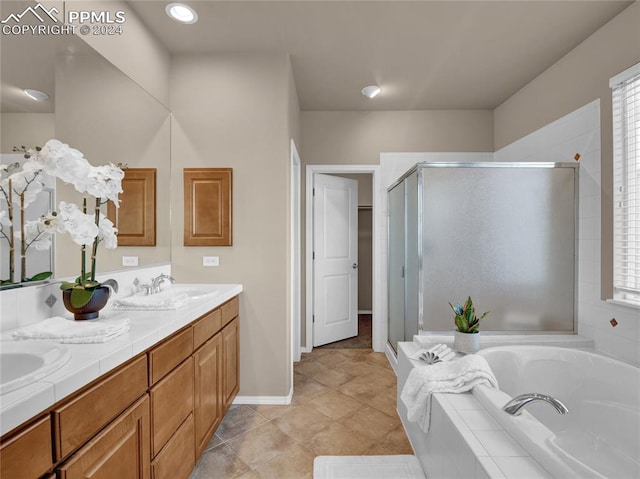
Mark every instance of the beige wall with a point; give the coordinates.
(358, 138)
(233, 111)
(577, 79)
(136, 52)
(28, 129)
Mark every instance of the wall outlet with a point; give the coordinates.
(210, 261)
(129, 261)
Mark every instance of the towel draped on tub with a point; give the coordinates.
(456, 376)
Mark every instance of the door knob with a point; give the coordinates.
(354, 265)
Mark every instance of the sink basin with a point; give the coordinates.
(25, 362)
(174, 297)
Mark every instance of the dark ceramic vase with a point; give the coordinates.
(92, 308)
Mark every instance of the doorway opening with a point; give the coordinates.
(367, 308)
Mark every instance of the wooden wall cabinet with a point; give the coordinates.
(136, 217)
(149, 419)
(208, 206)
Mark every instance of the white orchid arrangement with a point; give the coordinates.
(86, 228)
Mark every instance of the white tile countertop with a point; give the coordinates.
(90, 361)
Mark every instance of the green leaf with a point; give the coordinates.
(461, 324)
(80, 297)
(41, 276)
(65, 285)
(90, 284)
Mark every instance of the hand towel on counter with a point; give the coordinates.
(456, 376)
(146, 303)
(434, 354)
(65, 330)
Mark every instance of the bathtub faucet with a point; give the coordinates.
(513, 407)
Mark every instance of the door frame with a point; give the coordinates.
(378, 323)
(295, 259)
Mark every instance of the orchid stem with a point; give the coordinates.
(23, 246)
(83, 249)
(12, 252)
(94, 251)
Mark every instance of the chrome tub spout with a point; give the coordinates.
(514, 406)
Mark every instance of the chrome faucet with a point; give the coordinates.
(156, 282)
(513, 407)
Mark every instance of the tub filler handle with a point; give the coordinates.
(514, 406)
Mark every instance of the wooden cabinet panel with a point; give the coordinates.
(171, 403)
(168, 355)
(28, 454)
(207, 405)
(230, 310)
(121, 450)
(207, 206)
(230, 362)
(76, 421)
(136, 217)
(177, 459)
(205, 327)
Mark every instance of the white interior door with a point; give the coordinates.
(335, 252)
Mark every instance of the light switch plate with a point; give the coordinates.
(129, 261)
(210, 261)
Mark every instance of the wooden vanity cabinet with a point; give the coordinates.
(28, 454)
(121, 450)
(230, 363)
(207, 407)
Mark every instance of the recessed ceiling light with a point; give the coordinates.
(371, 91)
(181, 13)
(36, 94)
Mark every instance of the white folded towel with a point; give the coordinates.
(434, 354)
(456, 376)
(145, 303)
(69, 331)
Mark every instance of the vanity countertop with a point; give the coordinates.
(90, 361)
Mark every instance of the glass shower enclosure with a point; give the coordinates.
(502, 233)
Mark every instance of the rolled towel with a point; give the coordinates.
(434, 354)
(456, 376)
(65, 330)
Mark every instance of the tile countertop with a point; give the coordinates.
(90, 361)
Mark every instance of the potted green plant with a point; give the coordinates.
(467, 333)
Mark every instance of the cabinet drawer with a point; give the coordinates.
(171, 403)
(177, 459)
(81, 418)
(205, 327)
(28, 454)
(230, 310)
(120, 451)
(165, 357)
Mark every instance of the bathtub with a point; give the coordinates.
(599, 438)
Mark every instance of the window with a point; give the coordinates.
(626, 184)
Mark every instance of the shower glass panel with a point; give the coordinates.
(502, 233)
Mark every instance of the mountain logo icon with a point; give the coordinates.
(39, 11)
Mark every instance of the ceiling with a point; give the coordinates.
(424, 54)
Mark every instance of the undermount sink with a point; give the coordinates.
(174, 297)
(25, 362)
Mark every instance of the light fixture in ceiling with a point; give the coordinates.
(36, 94)
(371, 91)
(181, 13)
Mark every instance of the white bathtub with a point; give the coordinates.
(599, 438)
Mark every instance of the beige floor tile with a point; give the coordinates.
(337, 440)
(302, 422)
(372, 357)
(214, 442)
(370, 422)
(334, 404)
(355, 368)
(247, 475)
(353, 353)
(360, 388)
(220, 462)
(396, 441)
(384, 400)
(294, 463)
(260, 444)
(238, 421)
(310, 367)
(331, 377)
(271, 411)
(305, 389)
(381, 377)
(333, 359)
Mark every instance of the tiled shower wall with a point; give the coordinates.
(579, 132)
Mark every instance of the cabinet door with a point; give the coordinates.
(28, 454)
(207, 390)
(230, 363)
(121, 450)
(171, 403)
(177, 459)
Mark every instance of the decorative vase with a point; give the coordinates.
(92, 308)
(467, 343)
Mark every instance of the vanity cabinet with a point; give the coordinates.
(151, 418)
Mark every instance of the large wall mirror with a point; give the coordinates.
(93, 107)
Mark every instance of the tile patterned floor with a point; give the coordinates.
(344, 403)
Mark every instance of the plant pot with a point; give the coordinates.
(467, 343)
(92, 308)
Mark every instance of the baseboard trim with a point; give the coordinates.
(365, 311)
(265, 400)
(306, 350)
